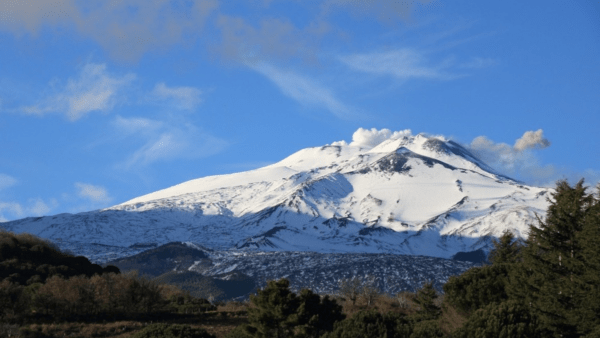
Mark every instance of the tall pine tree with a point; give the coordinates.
(506, 250)
(589, 309)
(551, 279)
(425, 299)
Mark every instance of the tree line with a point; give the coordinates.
(38, 282)
(545, 286)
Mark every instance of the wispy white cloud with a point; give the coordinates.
(184, 143)
(93, 90)
(187, 98)
(165, 141)
(132, 125)
(7, 181)
(305, 90)
(405, 63)
(478, 62)
(39, 208)
(10, 210)
(92, 192)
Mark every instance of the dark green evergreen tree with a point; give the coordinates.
(425, 299)
(273, 314)
(551, 279)
(506, 250)
(511, 319)
(278, 312)
(589, 309)
(478, 287)
(316, 315)
(481, 286)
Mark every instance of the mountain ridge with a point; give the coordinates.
(416, 195)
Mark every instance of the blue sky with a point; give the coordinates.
(104, 101)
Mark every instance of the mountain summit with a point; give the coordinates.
(417, 195)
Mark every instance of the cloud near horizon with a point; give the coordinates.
(35, 207)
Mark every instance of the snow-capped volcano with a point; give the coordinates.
(409, 194)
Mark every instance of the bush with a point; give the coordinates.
(372, 324)
(427, 329)
(278, 312)
(172, 331)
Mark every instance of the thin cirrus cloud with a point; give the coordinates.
(94, 89)
(478, 63)
(92, 192)
(186, 98)
(133, 125)
(7, 181)
(305, 90)
(405, 63)
(164, 141)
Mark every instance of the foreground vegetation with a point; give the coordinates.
(546, 286)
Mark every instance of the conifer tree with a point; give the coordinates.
(589, 309)
(553, 261)
(316, 315)
(509, 319)
(425, 298)
(506, 250)
(274, 312)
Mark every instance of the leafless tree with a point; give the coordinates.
(370, 290)
(351, 288)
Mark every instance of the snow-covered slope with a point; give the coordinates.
(410, 194)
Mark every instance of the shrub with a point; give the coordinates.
(161, 330)
(427, 329)
(372, 324)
